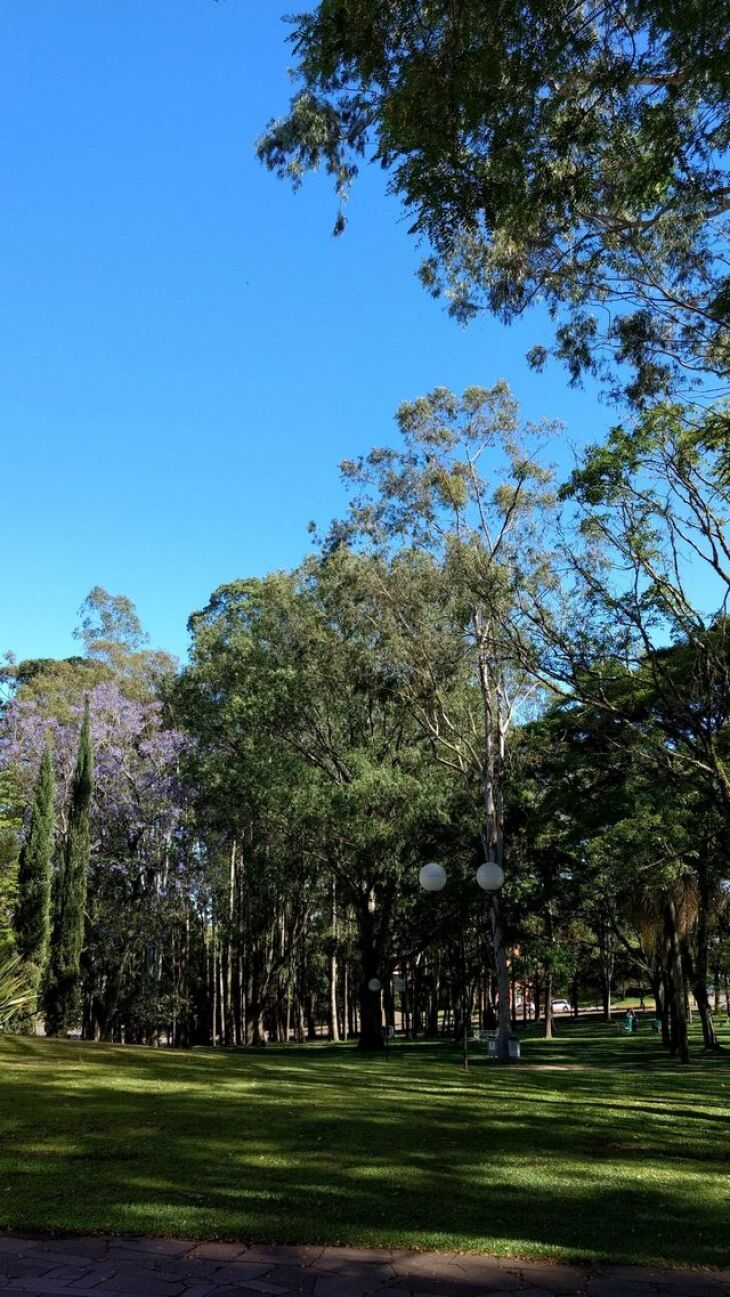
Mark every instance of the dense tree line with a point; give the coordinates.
(466, 670)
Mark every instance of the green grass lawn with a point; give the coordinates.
(595, 1147)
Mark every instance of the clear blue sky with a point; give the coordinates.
(185, 351)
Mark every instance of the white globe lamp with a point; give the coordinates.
(490, 876)
(374, 984)
(432, 877)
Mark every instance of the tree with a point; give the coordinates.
(17, 994)
(574, 154)
(309, 761)
(32, 911)
(11, 825)
(464, 503)
(62, 990)
(138, 833)
(637, 642)
(140, 887)
(113, 637)
(620, 843)
(248, 788)
(109, 623)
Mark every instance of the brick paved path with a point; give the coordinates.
(175, 1268)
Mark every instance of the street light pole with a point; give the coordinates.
(490, 877)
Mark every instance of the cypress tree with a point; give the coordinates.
(33, 907)
(62, 994)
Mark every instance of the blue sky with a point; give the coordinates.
(185, 351)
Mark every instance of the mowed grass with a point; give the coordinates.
(595, 1147)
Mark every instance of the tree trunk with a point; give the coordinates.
(371, 969)
(334, 1029)
(699, 981)
(371, 1016)
(606, 962)
(673, 957)
(548, 1029)
(406, 1002)
(434, 996)
(464, 1015)
(351, 1009)
(504, 1025)
(665, 998)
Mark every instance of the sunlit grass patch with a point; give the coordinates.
(597, 1146)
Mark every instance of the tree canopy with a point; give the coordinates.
(563, 153)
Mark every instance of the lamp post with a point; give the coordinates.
(489, 876)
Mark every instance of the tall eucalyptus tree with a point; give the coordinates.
(465, 505)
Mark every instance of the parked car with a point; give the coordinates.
(562, 1006)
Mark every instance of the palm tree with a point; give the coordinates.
(16, 994)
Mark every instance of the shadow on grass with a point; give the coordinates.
(625, 1159)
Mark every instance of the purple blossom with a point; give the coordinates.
(139, 797)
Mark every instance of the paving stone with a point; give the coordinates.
(413, 1291)
(484, 1292)
(700, 1286)
(182, 1269)
(91, 1247)
(295, 1278)
(68, 1274)
(118, 1258)
(41, 1284)
(217, 1251)
(473, 1264)
(457, 1283)
(605, 1286)
(138, 1267)
(144, 1282)
(679, 1280)
(99, 1275)
(241, 1270)
(555, 1278)
(485, 1276)
(280, 1254)
(340, 1286)
(51, 1258)
(638, 1274)
(429, 1264)
(344, 1255)
(536, 1292)
(690, 1286)
(11, 1292)
(376, 1274)
(490, 1278)
(16, 1267)
(158, 1246)
(237, 1291)
(239, 1274)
